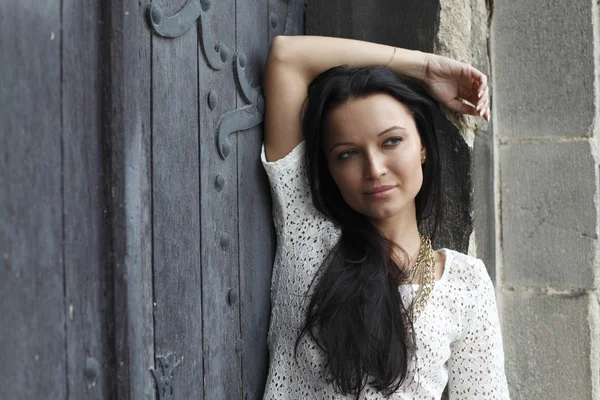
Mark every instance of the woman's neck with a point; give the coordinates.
(403, 232)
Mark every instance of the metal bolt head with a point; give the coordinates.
(260, 104)
(233, 297)
(212, 99)
(242, 60)
(223, 52)
(205, 4)
(226, 148)
(156, 14)
(239, 346)
(274, 19)
(219, 182)
(225, 241)
(92, 369)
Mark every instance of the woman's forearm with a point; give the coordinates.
(312, 55)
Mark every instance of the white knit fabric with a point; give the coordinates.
(458, 337)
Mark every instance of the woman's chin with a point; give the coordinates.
(384, 212)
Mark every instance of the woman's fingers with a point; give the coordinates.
(483, 98)
(482, 84)
(468, 84)
(462, 107)
(482, 105)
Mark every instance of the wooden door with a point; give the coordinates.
(213, 241)
(136, 243)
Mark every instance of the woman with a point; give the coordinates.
(362, 307)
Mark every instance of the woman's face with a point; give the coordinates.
(372, 143)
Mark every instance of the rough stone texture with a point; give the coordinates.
(545, 68)
(546, 89)
(463, 34)
(483, 207)
(546, 345)
(548, 214)
(482, 200)
(593, 314)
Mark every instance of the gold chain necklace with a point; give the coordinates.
(423, 272)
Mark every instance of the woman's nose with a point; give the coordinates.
(375, 167)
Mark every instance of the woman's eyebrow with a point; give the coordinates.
(391, 128)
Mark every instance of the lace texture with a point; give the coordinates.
(458, 336)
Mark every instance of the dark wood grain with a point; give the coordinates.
(219, 216)
(255, 222)
(127, 114)
(32, 305)
(277, 10)
(410, 24)
(88, 271)
(175, 191)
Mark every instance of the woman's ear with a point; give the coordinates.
(423, 154)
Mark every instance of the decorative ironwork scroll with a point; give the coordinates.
(177, 24)
(249, 93)
(164, 376)
(216, 55)
(233, 121)
(242, 118)
(184, 20)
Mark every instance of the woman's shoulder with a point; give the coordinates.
(295, 216)
(295, 156)
(288, 179)
(464, 271)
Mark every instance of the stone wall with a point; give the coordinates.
(545, 62)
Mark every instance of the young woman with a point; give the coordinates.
(362, 307)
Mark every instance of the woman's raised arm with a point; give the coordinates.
(294, 61)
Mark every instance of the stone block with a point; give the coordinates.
(483, 205)
(543, 63)
(548, 214)
(547, 345)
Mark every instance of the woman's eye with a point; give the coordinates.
(345, 155)
(393, 141)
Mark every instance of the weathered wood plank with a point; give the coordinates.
(131, 187)
(256, 232)
(176, 219)
(277, 10)
(88, 272)
(32, 332)
(219, 218)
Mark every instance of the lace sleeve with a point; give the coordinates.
(290, 190)
(476, 365)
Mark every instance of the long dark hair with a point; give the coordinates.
(355, 313)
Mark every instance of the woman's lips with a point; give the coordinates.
(381, 192)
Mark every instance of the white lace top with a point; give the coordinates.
(458, 337)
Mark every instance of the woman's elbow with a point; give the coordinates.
(279, 50)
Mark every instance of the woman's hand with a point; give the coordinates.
(451, 82)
